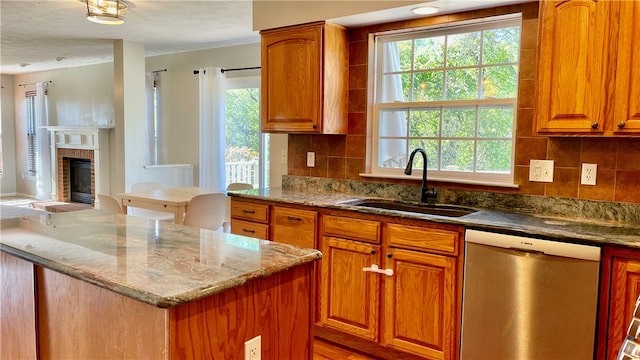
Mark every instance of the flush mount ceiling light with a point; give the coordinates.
(109, 12)
(425, 10)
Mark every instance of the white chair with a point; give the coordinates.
(146, 213)
(227, 215)
(110, 204)
(206, 211)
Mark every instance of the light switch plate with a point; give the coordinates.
(311, 159)
(541, 170)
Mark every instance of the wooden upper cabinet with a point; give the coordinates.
(573, 61)
(587, 57)
(305, 79)
(627, 99)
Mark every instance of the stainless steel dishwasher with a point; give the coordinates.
(528, 299)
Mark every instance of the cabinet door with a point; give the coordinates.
(625, 289)
(17, 309)
(627, 100)
(350, 296)
(572, 66)
(419, 304)
(291, 79)
(294, 226)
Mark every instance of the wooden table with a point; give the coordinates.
(175, 200)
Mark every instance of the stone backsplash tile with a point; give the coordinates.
(517, 203)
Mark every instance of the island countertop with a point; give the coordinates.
(158, 263)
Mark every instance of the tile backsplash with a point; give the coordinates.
(343, 156)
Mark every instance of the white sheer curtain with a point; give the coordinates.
(43, 149)
(212, 133)
(392, 152)
(150, 83)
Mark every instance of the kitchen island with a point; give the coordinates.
(90, 284)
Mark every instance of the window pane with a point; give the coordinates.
(424, 122)
(458, 122)
(393, 87)
(392, 153)
(457, 155)
(501, 45)
(462, 84)
(494, 156)
(393, 122)
(430, 147)
(242, 136)
(463, 49)
(427, 86)
(500, 82)
(495, 122)
(429, 53)
(405, 54)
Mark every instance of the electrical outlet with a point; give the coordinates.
(541, 170)
(589, 173)
(252, 348)
(311, 159)
(283, 157)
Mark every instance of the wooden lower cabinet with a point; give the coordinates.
(419, 306)
(350, 296)
(411, 306)
(294, 226)
(619, 290)
(18, 324)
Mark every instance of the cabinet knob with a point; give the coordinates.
(594, 125)
(373, 251)
(389, 255)
(620, 124)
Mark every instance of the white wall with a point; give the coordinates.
(8, 179)
(85, 96)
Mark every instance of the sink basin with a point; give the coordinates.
(440, 210)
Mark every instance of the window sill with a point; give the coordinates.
(442, 179)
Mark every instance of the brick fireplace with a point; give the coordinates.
(79, 142)
(64, 171)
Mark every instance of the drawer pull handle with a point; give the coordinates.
(249, 211)
(374, 268)
(249, 231)
(291, 218)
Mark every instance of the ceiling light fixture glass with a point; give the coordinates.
(109, 12)
(425, 10)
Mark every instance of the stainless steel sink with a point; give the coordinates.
(440, 210)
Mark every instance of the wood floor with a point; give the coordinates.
(324, 350)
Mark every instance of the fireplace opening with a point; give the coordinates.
(80, 180)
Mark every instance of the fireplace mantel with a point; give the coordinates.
(89, 138)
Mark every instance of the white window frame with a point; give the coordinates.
(31, 133)
(481, 178)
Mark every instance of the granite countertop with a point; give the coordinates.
(159, 263)
(566, 229)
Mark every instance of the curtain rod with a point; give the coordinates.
(157, 71)
(50, 81)
(196, 72)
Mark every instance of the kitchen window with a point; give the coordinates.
(453, 92)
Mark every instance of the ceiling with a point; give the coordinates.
(51, 34)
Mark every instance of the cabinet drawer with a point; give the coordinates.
(250, 211)
(424, 238)
(251, 229)
(357, 229)
(294, 226)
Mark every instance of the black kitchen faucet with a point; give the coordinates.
(424, 191)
